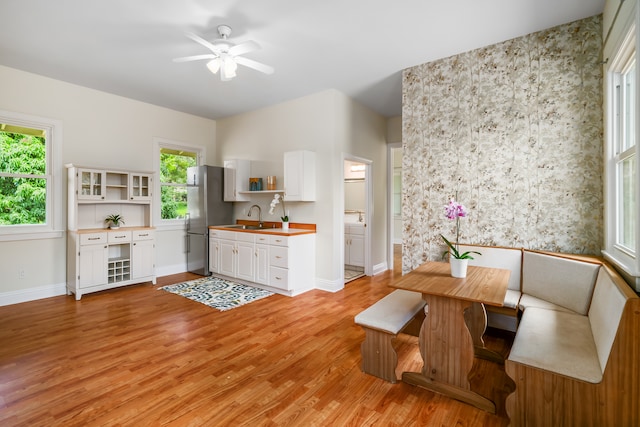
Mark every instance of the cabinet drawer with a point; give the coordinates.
(143, 235)
(261, 238)
(279, 277)
(222, 234)
(93, 238)
(119, 237)
(279, 240)
(356, 229)
(245, 237)
(279, 256)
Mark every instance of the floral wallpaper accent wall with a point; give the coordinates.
(515, 129)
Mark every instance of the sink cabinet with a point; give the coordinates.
(284, 264)
(354, 245)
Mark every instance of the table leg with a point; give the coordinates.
(447, 349)
(475, 317)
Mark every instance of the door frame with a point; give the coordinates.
(368, 200)
(390, 219)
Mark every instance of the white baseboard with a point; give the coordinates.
(329, 285)
(168, 270)
(32, 294)
(379, 268)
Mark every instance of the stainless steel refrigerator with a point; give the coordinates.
(205, 207)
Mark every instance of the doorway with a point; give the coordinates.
(356, 217)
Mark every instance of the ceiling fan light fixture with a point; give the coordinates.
(214, 65)
(229, 67)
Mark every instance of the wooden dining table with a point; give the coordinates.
(455, 321)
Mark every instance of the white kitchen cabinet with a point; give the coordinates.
(91, 184)
(236, 180)
(140, 186)
(93, 256)
(300, 176)
(100, 258)
(214, 252)
(283, 263)
(354, 245)
(143, 253)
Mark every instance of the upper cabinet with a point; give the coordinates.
(140, 186)
(111, 186)
(236, 180)
(300, 176)
(94, 194)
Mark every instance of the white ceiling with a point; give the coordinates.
(358, 47)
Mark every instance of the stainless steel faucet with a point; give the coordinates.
(260, 224)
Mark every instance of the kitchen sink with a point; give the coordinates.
(245, 227)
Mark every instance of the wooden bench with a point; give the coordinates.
(574, 369)
(400, 311)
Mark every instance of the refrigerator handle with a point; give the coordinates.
(188, 243)
(188, 220)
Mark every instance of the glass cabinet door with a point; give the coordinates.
(91, 184)
(140, 186)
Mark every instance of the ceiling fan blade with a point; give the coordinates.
(195, 57)
(242, 48)
(254, 64)
(203, 42)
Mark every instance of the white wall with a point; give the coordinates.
(100, 130)
(330, 124)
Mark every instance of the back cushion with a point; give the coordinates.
(605, 313)
(507, 258)
(565, 282)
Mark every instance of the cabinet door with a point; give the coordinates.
(245, 261)
(93, 262)
(347, 246)
(214, 255)
(356, 250)
(299, 176)
(227, 258)
(143, 258)
(262, 264)
(140, 186)
(91, 184)
(236, 179)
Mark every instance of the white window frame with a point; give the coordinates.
(622, 53)
(54, 226)
(158, 145)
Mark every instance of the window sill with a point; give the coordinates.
(11, 237)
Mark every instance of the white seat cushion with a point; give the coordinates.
(557, 341)
(393, 312)
(527, 301)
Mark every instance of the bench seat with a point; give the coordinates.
(382, 322)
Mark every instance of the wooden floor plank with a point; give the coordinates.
(141, 356)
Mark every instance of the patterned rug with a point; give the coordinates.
(217, 293)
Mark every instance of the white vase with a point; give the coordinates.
(458, 267)
(285, 225)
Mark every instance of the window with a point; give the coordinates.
(30, 188)
(173, 159)
(621, 211)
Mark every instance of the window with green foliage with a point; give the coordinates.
(24, 178)
(173, 181)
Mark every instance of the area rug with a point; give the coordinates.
(217, 293)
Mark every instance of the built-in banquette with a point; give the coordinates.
(575, 355)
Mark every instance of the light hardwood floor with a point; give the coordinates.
(138, 356)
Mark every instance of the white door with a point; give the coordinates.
(214, 255)
(356, 250)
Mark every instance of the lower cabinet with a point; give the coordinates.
(99, 260)
(285, 263)
(354, 245)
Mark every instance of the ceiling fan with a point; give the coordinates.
(225, 55)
